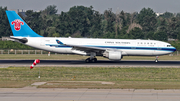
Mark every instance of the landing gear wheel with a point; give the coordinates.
(156, 60)
(94, 60)
(87, 60)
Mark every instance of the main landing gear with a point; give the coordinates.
(92, 58)
(156, 60)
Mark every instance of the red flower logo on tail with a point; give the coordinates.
(17, 24)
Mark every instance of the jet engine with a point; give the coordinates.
(113, 55)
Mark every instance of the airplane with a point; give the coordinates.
(113, 49)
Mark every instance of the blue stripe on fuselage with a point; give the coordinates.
(171, 49)
(59, 46)
(139, 48)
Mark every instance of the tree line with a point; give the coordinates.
(81, 21)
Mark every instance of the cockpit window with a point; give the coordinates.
(169, 46)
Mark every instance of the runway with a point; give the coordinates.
(58, 94)
(100, 63)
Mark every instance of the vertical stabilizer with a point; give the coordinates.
(19, 27)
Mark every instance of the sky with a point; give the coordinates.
(159, 6)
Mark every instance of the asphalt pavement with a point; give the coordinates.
(100, 63)
(58, 94)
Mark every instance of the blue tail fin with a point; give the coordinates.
(59, 42)
(19, 27)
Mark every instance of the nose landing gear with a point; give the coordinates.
(156, 60)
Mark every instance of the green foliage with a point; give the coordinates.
(50, 10)
(83, 20)
(110, 18)
(123, 33)
(4, 23)
(150, 35)
(123, 17)
(34, 20)
(136, 33)
(56, 35)
(160, 36)
(167, 15)
(176, 44)
(145, 13)
(147, 19)
(13, 45)
(178, 15)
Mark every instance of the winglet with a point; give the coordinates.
(59, 42)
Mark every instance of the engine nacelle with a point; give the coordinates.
(79, 52)
(113, 55)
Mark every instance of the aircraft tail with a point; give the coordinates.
(59, 42)
(19, 27)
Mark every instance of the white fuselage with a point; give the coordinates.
(128, 47)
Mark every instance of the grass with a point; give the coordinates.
(70, 77)
(78, 57)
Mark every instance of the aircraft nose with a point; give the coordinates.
(174, 49)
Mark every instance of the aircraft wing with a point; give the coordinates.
(86, 48)
(83, 48)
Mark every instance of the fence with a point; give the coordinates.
(11, 51)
